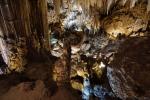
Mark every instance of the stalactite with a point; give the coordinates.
(42, 5)
(109, 4)
(57, 4)
(99, 3)
(124, 2)
(148, 6)
(132, 3)
(92, 2)
(106, 4)
(93, 8)
(116, 1)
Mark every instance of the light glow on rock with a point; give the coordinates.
(3, 50)
(133, 2)
(102, 65)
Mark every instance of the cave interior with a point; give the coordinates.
(74, 49)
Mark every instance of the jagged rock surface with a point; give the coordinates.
(129, 73)
(21, 28)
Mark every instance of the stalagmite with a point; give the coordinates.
(61, 71)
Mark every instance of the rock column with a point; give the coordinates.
(23, 28)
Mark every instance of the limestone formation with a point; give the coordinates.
(91, 49)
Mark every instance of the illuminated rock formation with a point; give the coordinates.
(22, 27)
(100, 48)
(61, 71)
(129, 76)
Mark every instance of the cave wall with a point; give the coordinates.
(23, 31)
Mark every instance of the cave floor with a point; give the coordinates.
(36, 83)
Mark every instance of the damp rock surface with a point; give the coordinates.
(27, 91)
(49, 48)
(37, 91)
(129, 73)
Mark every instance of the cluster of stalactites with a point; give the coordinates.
(107, 4)
(99, 4)
(93, 8)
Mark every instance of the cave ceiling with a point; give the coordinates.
(115, 16)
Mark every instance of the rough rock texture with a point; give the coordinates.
(129, 73)
(65, 94)
(27, 91)
(37, 91)
(91, 12)
(127, 22)
(84, 34)
(35, 83)
(61, 70)
(23, 26)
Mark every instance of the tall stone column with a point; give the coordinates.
(12, 37)
(23, 27)
(61, 71)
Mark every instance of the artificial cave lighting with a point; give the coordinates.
(74, 49)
